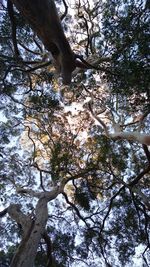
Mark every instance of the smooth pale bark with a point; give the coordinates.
(33, 229)
(132, 136)
(27, 249)
(118, 133)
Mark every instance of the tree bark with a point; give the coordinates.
(32, 233)
(142, 138)
(43, 18)
(33, 229)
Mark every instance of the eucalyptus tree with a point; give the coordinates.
(74, 159)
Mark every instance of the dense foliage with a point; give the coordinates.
(48, 133)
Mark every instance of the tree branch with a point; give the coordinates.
(3, 212)
(66, 11)
(13, 26)
(75, 208)
(109, 208)
(49, 249)
(139, 177)
(147, 153)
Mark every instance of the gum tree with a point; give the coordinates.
(74, 159)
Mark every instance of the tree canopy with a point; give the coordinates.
(74, 159)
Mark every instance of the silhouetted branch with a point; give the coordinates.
(13, 26)
(139, 177)
(110, 207)
(49, 249)
(147, 153)
(43, 65)
(75, 208)
(66, 10)
(3, 212)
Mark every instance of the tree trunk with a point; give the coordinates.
(33, 231)
(44, 20)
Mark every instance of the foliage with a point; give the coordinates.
(49, 134)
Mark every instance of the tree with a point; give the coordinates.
(74, 160)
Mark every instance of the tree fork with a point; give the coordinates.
(44, 20)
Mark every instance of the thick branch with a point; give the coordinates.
(33, 232)
(132, 136)
(147, 153)
(14, 211)
(13, 26)
(142, 138)
(3, 212)
(49, 195)
(43, 18)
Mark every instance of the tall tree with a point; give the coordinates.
(74, 160)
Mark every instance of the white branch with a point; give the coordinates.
(14, 211)
(49, 195)
(142, 138)
(131, 136)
